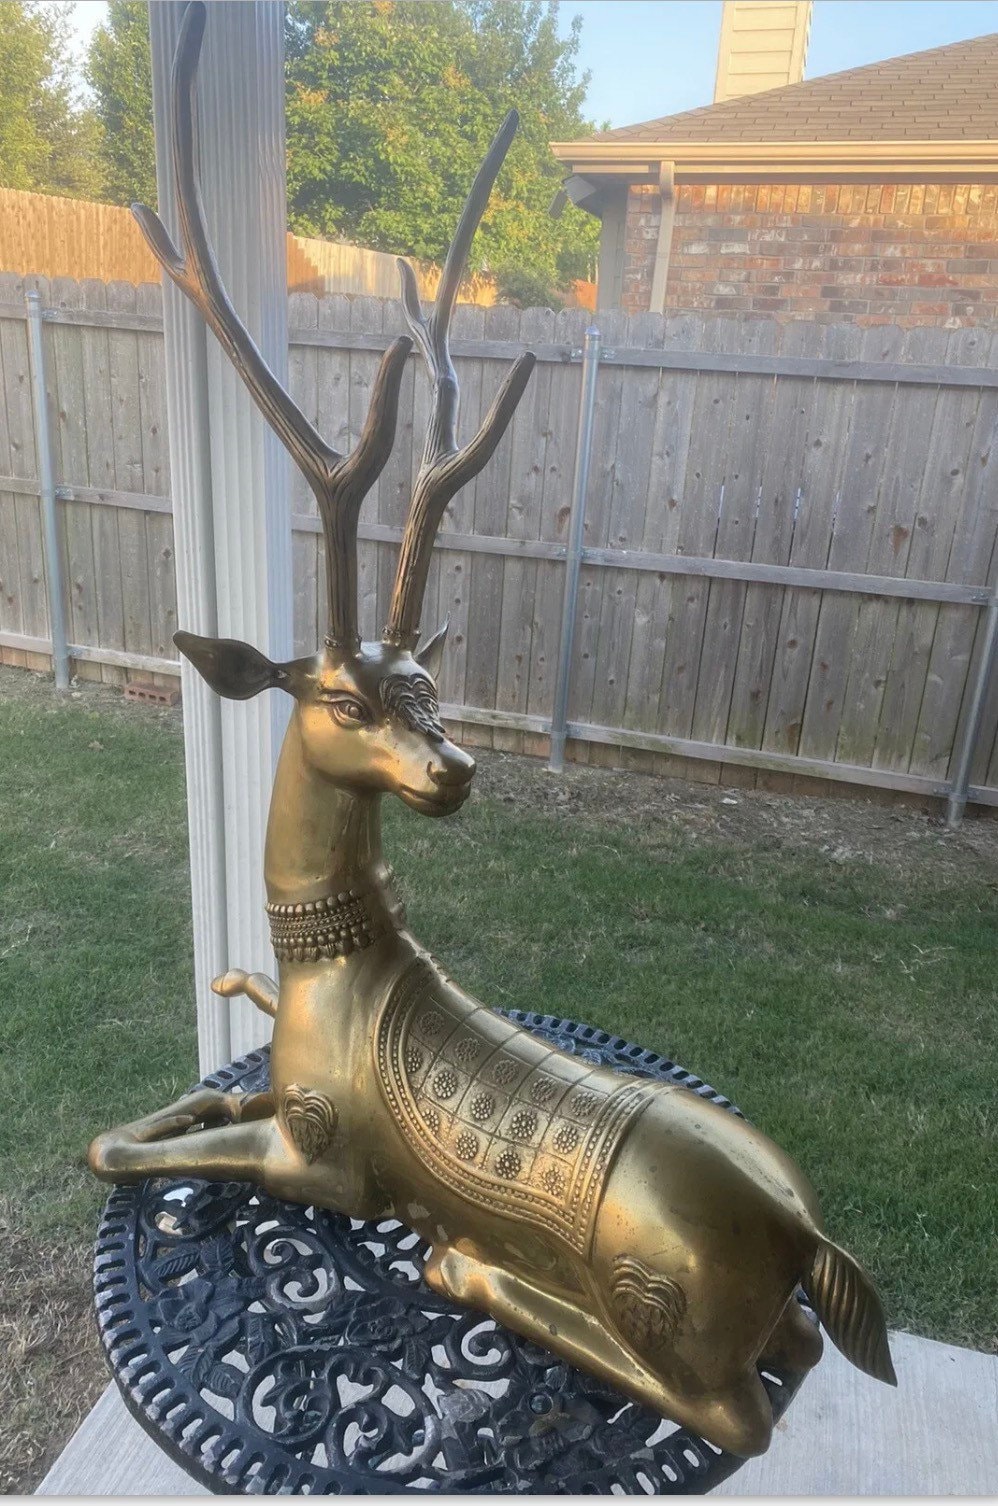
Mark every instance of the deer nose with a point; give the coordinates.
(458, 769)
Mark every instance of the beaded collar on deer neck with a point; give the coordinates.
(334, 925)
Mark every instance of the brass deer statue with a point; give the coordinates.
(631, 1227)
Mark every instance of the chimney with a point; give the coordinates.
(763, 45)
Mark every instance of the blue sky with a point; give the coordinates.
(654, 57)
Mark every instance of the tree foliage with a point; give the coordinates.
(390, 109)
(120, 74)
(48, 143)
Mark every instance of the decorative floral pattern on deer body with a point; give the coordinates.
(648, 1307)
(540, 1148)
(311, 1120)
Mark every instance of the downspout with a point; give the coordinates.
(663, 246)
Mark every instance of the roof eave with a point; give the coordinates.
(784, 161)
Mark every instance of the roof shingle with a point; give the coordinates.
(945, 94)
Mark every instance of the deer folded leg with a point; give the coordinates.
(263, 991)
(160, 1145)
(740, 1420)
(255, 1106)
(581, 1337)
(795, 1341)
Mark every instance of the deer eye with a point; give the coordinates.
(348, 711)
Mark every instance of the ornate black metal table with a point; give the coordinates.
(270, 1348)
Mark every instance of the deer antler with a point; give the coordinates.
(445, 467)
(339, 482)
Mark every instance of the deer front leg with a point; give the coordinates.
(233, 1148)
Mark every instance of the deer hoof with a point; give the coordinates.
(230, 984)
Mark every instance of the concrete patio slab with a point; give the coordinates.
(110, 1455)
(844, 1435)
(847, 1435)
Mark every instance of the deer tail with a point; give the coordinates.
(847, 1303)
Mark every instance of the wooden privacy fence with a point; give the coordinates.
(45, 235)
(787, 555)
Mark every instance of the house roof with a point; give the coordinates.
(945, 94)
(929, 117)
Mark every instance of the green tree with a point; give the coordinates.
(120, 74)
(48, 143)
(391, 107)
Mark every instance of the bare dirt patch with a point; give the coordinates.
(51, 1367)
(842, 830)
(38, 689)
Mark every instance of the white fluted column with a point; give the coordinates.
(232, 522)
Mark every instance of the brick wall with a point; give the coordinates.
(899, 253)
(644, 208)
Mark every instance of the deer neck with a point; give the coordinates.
(329, 890)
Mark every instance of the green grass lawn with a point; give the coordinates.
(846, 1003)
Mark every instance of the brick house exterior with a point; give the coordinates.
(867, 196)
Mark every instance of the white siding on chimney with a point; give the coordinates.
(763, 46)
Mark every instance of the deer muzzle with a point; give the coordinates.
(449, 773)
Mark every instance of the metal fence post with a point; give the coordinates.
(46, 487)
(957, 799)
(576, 533)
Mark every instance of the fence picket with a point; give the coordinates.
(100, 464)
(979, 558)
(771, 544)
(627, 506)
(752, 403)
(700, 492)
(949, 440)
(128, 470)
(489, 508)
(819, 476)
(973, 557)
(905, 451)
(160, 562)
(848, 549)
(11, 620)
(595, 583)
(552, 451)
(646, 707)
(64, 344)
(27, 509)
(515, 626)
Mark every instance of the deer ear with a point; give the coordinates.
(431, 655)
(234, 669)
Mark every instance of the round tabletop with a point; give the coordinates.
(271, 1348)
